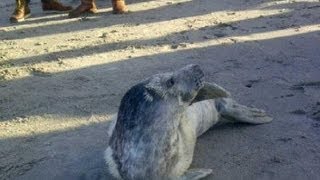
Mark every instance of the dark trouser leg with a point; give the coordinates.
(54, 5)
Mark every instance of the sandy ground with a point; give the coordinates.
(62, 79)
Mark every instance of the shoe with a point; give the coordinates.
(119, 6)
(86, 6)
(21, 12)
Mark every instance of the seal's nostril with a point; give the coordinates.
(196, 66)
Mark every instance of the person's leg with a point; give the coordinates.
(119, 6)
(21, 11)
(86, 6)
(54, 5)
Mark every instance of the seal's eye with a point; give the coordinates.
(170, 83)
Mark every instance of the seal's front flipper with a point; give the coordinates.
(231, 110)
(195, 174)
(211, 91)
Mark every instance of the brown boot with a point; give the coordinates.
(119, 6)
(21, 12)
(54, 5)
(86, 6)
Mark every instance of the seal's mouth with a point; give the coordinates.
(200, 82)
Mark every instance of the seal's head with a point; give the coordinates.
(159, 97)
(182, 85)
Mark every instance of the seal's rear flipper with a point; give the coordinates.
(195, 174)
(211, 91)
(231, 110)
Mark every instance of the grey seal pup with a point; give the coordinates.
(159, 120)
